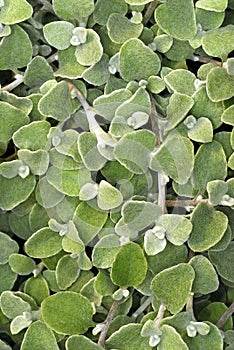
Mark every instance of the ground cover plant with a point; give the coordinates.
(116, 174)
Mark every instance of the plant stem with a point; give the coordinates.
(160, 315)
(185, 203)
(47, 6)
(19, 80)
(110, 316)
(223, 319)
(142, 308)
(150, 10)
(189, 305)
(207, 60)
(52, 58)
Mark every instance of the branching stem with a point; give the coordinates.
(223, 319)
(18, 80)
(110, 316)
(142, 308)
(207, 60)
(160, 315)
(150, 10)
(185, 203)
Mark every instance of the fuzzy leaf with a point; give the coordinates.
(217, 168)
(10, 247)
(91, 51)
(56, 103)
(38, 72)
(210, 5)
(87, 146)
(223, 261)
(21, 264)
(32, 136)
(15, 49)
(202, 131)
(8, 278)
(209, 227)
(182, 81)
(137, 61)
(38, 161)
(228, 115)
(68, 65)
(206, 280)
(15, 11)
(43, 243)
(130, 266)
(121, 29)
(81, 342)
(37, 288)
(177, 227)
(15, 191)
(216, 190)
(173, 286)
(74, 9)
(67, 271)
(212, 313)
(38, 337)
(213, 340)
(183, 27)
(152, 244)
(103, 9)
(218, 42)
(171, 339)
(89, 221)
(139, 145)
(105, 251)
(46, 195)
(58, 34)
(108, 196)
(219, 84)
(175, 158)
(178, 108)
(67, 313)
(98, 74)
(12, 305)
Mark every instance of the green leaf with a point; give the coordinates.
(82, 342)
(56, 103)
(175, 158)
(106, 105)
(103, 284)
(108, 196)
(8, 278)
(67, 313)
(139, 145)
(4, 346)
(202, 131)
(171, 339)
(183, 27)
(209, 5)
(152, 244)
(15, 191)
(37, 288)
(204, 107)
(15, 11)
(103, 10)
(115, 173)
(217, 168)
(209, 19)
(173, 286)
(128, 337)
(12, 119)
(216, 190)
(74, 9)
(46, 195)
(68, 65)
(58, 34)
(218, 42)
(67, 271)
(87, 146)
(38, 337)
(227, 116)
(206, 280)
(219, 85)
(137, 61)
(209, 227)
(182, 81)
(38, 161)
(43, 243)
(130, 266)
(121, 29)
(178, 108)
(213, 312)
(213, 340)
(38, 72)
(12, 305)
(177, 227)
(32, 136)
(155, 84)
(105, 251)
(89, 221)
(139, 214)
(91, 51)
(10, 247)
(21, 264)
(68, 182)
(15, 49)
(223, 262)
(98, 74)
